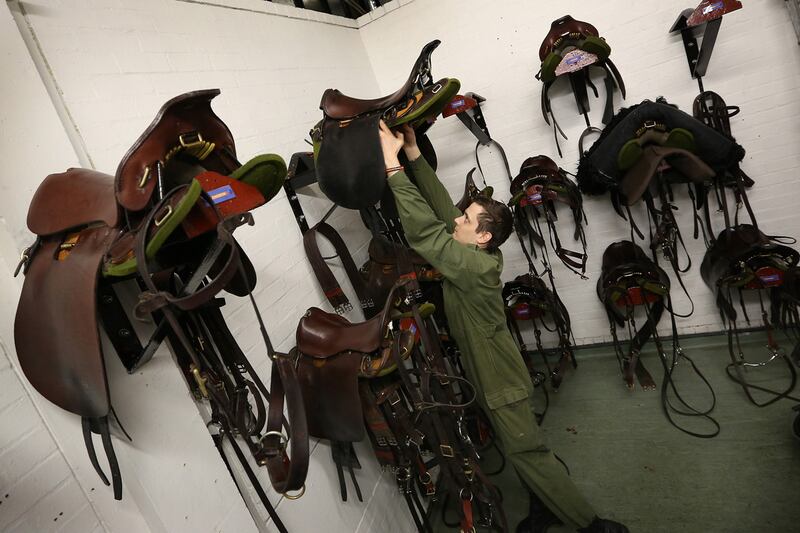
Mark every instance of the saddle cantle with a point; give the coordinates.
(348, 157)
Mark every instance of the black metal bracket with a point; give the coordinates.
(301, 173)
(474, 121)
(699, 54)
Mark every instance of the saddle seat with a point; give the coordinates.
(71, 199)
(322, 334)
(340, 106)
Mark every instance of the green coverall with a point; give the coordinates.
(474, 307)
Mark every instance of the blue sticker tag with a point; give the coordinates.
(772, 278)
(574, 59)
(222, 194)
(713, 7)
(535, 198)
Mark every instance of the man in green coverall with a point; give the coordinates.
(464, 248)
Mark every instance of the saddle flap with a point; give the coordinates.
(185, 122)
(59, 297)
(72, 199)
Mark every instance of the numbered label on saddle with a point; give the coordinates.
(766, 277)
(221, 194)
(636, 296)
(575, 60)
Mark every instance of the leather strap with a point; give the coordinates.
(333, 291)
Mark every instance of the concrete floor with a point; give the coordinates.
(634, 467)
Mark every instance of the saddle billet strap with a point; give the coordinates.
(333, 291)
(286, 474)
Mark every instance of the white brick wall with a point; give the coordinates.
(493, 47)
(110, 64)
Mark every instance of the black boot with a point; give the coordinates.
(539, 517)
(600, 525)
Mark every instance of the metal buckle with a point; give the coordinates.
(446, 450)
(197, 141)
(163, 218)
(201, 381)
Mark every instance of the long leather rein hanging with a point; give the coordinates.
(198, 291)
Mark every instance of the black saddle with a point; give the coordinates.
(347, 152)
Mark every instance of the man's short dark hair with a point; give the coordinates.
(496, 219)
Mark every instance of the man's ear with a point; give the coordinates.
(482, 238)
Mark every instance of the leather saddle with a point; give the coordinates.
(172, 189)
(570, 48)
(628, 279)
(332, 354)
(743, 257)
(348, 157)
(535, 192)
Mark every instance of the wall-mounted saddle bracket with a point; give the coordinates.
(474, 121)
(702, 23)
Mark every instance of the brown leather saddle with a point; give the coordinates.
(332, 355)
(349, 161)
(743, 259)
(166, 219)
(570, 48)
(527, 297)
(535, 192)
(630, 279)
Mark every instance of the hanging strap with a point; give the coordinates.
(330, 286)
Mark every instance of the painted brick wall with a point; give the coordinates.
(492, 47)
(111, 64)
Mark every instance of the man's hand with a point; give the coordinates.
(410, 145)
(391, 142)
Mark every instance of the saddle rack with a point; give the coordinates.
(704, 20)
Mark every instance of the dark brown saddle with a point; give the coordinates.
(629, 278)
(527, 297)
(348, 159)
(540, 185)
(332, 354)
(340, 106)
(93, 229)
(745, 258)
(561, 28)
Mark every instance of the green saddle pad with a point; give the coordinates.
(430, 104)
(165, 227)
(265, 172)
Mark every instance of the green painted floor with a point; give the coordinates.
(636, 468)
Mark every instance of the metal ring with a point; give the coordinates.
(295, 496)
(461, 494)
(283, 438)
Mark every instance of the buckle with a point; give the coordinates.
(446, 450)
(191, 139)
